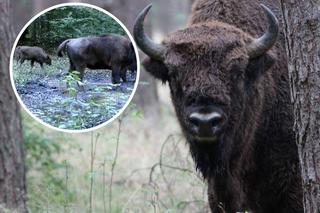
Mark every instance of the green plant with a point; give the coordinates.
(71, 80)
(42, 165)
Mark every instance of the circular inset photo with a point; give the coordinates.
(74, 67)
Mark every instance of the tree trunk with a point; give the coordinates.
(12, 169)
(146, 96)
(169, 19)
(38, 6)
(302, 28)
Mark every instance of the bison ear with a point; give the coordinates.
(156, 68)
(258, 66)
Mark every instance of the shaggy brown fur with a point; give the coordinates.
(254, 165)
(34, 54)
(109, 51)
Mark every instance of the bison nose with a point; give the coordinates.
(207, 125)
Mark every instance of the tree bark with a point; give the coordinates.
(146, 96)
(169, 19)
(38, 6)
(302, 28)
(12, 169)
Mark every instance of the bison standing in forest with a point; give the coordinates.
(34, 54)
(108, 51)
(231, 94)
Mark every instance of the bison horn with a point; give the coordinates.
(264, 43)
(153, 50)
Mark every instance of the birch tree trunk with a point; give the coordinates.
(302, 28)
(12, 169)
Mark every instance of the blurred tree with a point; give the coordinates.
(38, 6)
(302, 28)
(24, 10)
(191, 1)
(12, 168)
(146, 96)
(22, 13)
(169, 18)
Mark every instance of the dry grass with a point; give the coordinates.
(153, 172)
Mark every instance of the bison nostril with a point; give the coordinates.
(206, 122)
(194, 121)
(217, 121)
(195, 124)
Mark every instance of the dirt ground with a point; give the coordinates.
(46, 95)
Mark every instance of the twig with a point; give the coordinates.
(104, 187)
(65, 206)
(130, 198)
(48, 198)
(114, 164)
(93, 155)
(154, 200)
(161, 162)
(184, 204)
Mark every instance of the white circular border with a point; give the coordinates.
(132, 93)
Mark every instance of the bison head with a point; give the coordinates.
(47, 60)
(214, 71)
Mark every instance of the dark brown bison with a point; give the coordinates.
(34, 54)
(231, 95)
(109, 51)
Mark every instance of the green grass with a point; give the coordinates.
(24, 72)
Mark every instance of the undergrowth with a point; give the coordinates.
(115, 169)
(56, 97)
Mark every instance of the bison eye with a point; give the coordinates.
(175, 84)
(189, 101)
(174, 77)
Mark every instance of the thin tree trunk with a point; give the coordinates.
(12, 169)
(38, 5)
(169, 19)
(302, 28)
(146, 96)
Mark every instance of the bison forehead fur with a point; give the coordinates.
(200, 55)
(253, 165)
(109, 51)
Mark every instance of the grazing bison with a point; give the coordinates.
(109, 51)
(230, 90)
(34, 54)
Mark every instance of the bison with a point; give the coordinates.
(108, 51)
(34, 54)
(231, 94)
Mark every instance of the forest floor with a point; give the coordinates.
(141, 164)
(51, 97)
